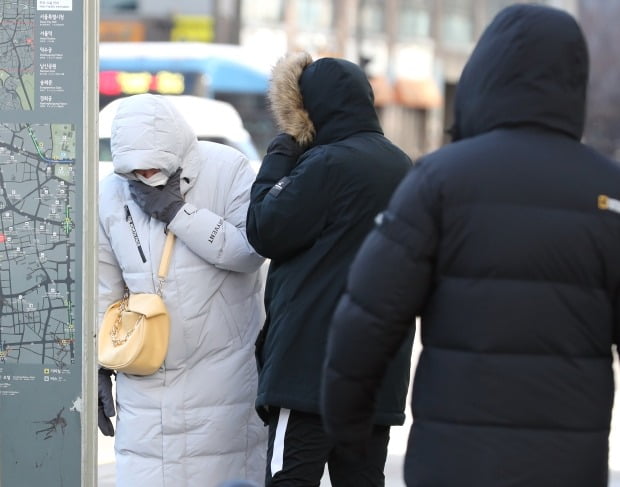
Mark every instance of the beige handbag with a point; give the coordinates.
(133, 337)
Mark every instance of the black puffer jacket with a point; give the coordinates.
(507, 244)
(310, 215)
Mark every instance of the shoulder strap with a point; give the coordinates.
(165, 256)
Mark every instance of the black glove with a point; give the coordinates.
(163, 202)
(286, 145)
(106, 401)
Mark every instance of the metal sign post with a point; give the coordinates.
(48, 197)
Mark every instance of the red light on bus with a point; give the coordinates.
(108, 83)
(117, 83)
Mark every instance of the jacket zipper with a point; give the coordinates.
(134, 233)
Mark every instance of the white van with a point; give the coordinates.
(212, 120)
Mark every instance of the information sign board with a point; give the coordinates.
(47, 73)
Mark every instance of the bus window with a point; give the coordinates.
(256, 116)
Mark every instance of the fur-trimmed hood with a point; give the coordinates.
(321, 101)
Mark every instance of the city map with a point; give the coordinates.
(17, 24)
(37, 244)
(42, 239)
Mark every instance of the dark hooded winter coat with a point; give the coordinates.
(309, 215)
(507, 244)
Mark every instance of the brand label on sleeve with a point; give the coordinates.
(279, 186)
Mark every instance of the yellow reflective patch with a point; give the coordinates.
(607, 203)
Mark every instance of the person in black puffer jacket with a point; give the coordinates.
(320, 186)
(506, 244)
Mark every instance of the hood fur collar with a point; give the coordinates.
(285, 98)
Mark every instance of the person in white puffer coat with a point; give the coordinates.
(191, 423)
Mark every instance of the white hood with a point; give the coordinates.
(149, 133)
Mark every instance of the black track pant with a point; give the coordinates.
(299, 449)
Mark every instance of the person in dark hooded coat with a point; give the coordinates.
(320, 186)
(506, 244)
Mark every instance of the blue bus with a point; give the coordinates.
(224, 72)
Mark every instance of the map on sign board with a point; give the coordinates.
(17, 26)
(42, 234)
(37, 244)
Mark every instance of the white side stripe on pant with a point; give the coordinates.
(277, 455)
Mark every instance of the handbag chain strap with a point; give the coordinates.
(122, 307)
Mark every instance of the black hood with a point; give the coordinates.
(338, 98)
(530, 67)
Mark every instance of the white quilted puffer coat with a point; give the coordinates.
(193, 422)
